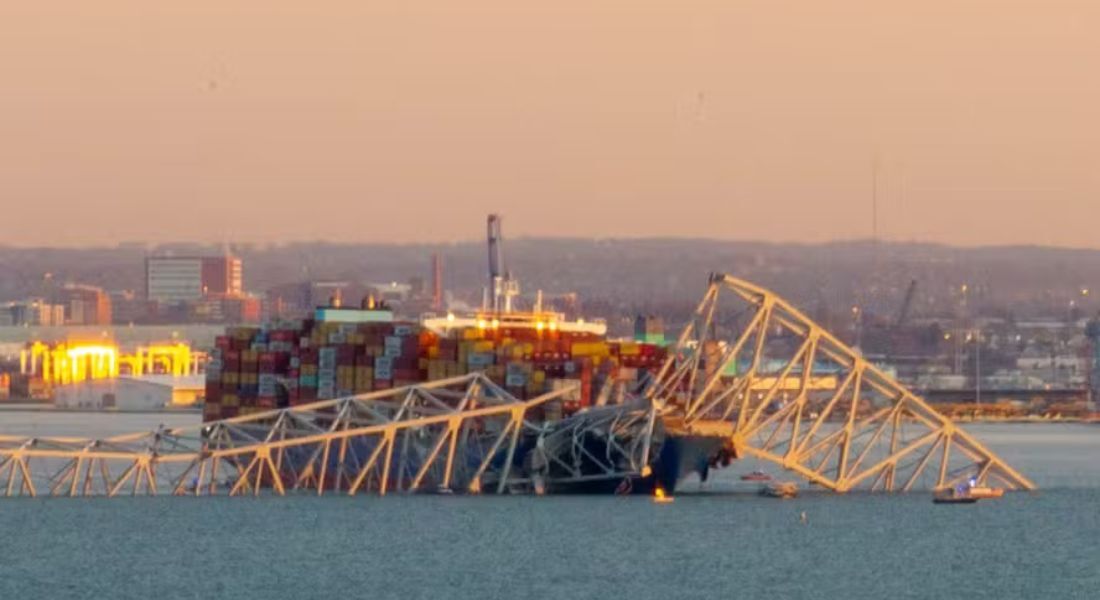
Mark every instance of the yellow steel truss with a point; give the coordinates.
(870, 432)
(452, 434)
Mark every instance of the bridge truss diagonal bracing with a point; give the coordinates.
(459, 434)
(750, 376)
(752, 367)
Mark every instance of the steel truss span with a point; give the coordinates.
(750, 376)
(459, 434)
(755, 369)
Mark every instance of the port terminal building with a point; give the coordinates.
(149, 392)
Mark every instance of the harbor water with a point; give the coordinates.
(717, 541)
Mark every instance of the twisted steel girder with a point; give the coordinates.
(752, 367)
(457, 434)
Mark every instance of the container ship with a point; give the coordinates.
(343, 351)
(346, 351)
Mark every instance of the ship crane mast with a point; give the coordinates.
(502, 286)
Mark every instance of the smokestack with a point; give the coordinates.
(437, 281)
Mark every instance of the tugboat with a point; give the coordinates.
(983, 492)
(954, 495)
(756, 475)
(968, 493)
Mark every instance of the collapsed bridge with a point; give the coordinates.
(750, 376)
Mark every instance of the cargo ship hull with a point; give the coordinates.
(679, 457)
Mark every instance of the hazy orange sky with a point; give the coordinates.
(402, 121)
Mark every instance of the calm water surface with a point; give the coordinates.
(721, 543)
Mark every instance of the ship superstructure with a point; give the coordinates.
(500, 300)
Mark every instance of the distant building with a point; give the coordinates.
(242, 309)
(178, 279)
(297, 300)
(392, 291)
(151, 392)
(226, 309)
(33, 312)
(128, 307)
(288, 301)
(222, 276)
(86, 305)
(1034, 359)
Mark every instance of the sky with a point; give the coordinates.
(366, 121)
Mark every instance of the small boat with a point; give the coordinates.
(956, 495)
(756, 475)
(780, 489)
(983, 492)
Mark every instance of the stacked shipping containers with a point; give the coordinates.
(254, 369)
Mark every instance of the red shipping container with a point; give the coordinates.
(284, 335)
(376, 329)
(407, 374)
(586, 393)
(231, 361)
(308, 355)
(345, 354)
(267, 362)
(274, 362)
